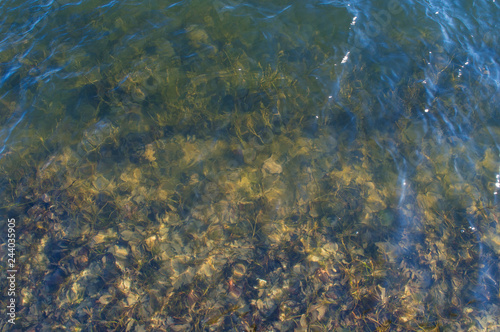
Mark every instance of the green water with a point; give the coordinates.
(251, 166)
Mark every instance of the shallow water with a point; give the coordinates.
(231, 166)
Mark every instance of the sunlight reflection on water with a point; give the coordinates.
(200, 165)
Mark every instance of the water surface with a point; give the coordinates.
(252, 166)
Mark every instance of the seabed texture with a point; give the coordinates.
(211, 175)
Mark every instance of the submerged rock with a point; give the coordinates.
(96, 135)
(272, 167)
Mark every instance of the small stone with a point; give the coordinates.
(105, 299)
(119, 252)
(272, 167)
(239, 271)
(150, 241)
(45, 198)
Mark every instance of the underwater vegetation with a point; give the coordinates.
(206, 178)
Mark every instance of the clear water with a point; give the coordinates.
(252, 166)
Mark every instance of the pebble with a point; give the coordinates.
(272, 167)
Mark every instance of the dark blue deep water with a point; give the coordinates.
(238, 165)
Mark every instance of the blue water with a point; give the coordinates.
(253, 165)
